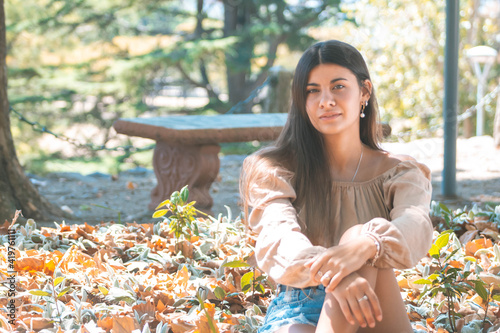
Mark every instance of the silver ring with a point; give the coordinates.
(320, 273)
(327, 275)
(363, 298)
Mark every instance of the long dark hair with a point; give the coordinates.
(300, 147)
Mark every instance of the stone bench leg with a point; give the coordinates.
(178, 165)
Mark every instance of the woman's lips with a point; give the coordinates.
(330, 116)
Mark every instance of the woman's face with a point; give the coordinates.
(334, 98)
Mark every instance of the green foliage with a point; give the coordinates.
(457, 220)
(182, 214)
(249, 281)
(451, 281)
(52, 293)
(403, 42)
(97, 61)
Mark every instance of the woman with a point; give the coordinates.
(334, 213)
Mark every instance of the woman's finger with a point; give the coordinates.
(356, 310)
(326, 278)
(317, 267)
(336, 279)
(366, 309)
(346, 310)
(375, 304)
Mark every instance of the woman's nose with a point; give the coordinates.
(327, 100)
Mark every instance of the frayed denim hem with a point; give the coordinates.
(294, 306)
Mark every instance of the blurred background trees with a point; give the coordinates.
(76, 66)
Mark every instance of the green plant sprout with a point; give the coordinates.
(182, 216)
(248, 280)
(57, 291)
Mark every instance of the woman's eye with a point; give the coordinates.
(310, 91)
(338, 86)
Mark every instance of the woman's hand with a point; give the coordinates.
(337, 262)
(358, 301)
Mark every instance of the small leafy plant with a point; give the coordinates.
(52, 294)
(249, 281)
(450, 279)
(182, 214)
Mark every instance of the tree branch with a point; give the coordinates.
(271, 57)
(206, 85)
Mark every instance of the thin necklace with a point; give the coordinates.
(359, 163)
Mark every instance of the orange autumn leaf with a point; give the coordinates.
(430, 322)
(4, 227)
(145, 308)
(160, 306)
(63, 228)
(178, 324)
(29, 264)
(88, 228)
(159, 245)
(477, 244)
(206, 320)
(31, 253)
(131, 185)
(49, 268)
(229, 319)
(456, 264)
(204, 326)
(210, 307)
(38, 323)
(122, 324)
(182, 277)
(166, 299)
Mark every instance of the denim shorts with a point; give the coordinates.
(294, 306)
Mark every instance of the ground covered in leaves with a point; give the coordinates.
(150, 278)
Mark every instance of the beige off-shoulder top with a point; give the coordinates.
(393, 206)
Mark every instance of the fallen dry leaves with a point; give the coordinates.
(129, 278)
(139, 278)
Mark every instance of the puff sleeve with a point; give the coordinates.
(281, 248)
(407, 237)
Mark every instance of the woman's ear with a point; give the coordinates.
(366, 89)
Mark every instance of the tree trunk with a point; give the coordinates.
(238, 60)
(16, 190)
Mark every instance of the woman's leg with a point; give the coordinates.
(395, 318)
(394, 314)
(332, 318)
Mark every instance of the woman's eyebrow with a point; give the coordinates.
(332, 81)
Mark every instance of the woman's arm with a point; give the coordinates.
(281, 248)
(407, 236)
(354, 250)
(396, 243)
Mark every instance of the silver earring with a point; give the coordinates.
(362, 115)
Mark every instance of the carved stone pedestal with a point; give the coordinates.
(178, 165)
